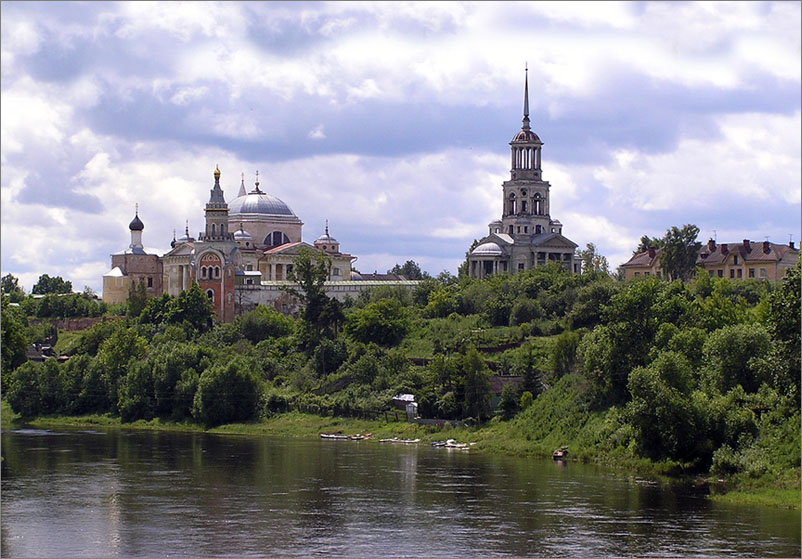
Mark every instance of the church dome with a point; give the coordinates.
(242, 235)
(257, 202)
(136, 224)
(526, 136)
(325, 238)
(488, 249)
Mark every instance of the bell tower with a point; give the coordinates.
(216, 213)
(526, 195)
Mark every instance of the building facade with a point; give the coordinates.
(745, 260)
(526, 235)
(240, 260)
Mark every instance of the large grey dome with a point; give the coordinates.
(488, 249)
(257, 202)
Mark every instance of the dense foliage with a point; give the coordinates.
(703, 373)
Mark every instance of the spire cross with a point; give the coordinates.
(137, 209)
(526, 98)
(327, 227)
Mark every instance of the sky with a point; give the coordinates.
(392, 121)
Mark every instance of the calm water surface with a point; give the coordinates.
(142, 494)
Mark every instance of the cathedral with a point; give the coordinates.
(245, 246)
(526, 235)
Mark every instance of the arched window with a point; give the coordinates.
(512, 203)
(213, 229)
(276, 238)
(203, 272)
(217, 271)
(210, 294)
(538, 229)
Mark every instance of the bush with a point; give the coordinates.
(226, 393)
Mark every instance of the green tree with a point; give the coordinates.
(113, 358)
(592, 260)
(11, 287)
(508, 404)
(783, 325)
(137, 298)
(13, 344)
(384, 322)
(193, 307)
(661, 412)
(310, 271)
(647, 242)
(263, 322)
(136, 400)
(732, 357)
(476, 378)
(46, 285)
(21, 389)
(226, 393)
(680, 250)
(411, 270)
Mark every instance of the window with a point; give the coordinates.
(736, 260)
(538, 229)
(710, 273)
(203, 272)
(520, 266)
(249, 267)
(248, 281)
(519, 228)
(150, 282)
(523, 206)
(526, 229)
(510, 229)
(335, 271)
(552, 230)
(740, 273)
(732, 274)
(647, 273)
(217, 271)
(762, 273)
(210, 294)
(721, 273)
(637, 273)
(659, 275)
(751, 273)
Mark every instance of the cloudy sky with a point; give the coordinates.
(392, 121)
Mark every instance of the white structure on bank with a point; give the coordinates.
(526, 235)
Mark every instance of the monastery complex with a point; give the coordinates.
(243, 256)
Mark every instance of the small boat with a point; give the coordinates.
(560, 453)
(399, 441)
(451, 443)
(338, 436)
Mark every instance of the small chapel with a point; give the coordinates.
(526, 235)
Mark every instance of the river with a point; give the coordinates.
(118, 493)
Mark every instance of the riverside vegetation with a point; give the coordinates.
(697, 378)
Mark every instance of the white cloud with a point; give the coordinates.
(756, 158)
(317, 133)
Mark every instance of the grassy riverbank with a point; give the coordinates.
(497, 437)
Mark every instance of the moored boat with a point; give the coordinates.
(560, 453)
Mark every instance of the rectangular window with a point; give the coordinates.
(710, 273)
(762, 273)
(637, 273)
(751, 272)
(150, 282)
(659, 274)
(519, 228)
(732, 274)
(526, 229)
(520, 265)
(740, 273)
(647, 273)
(721, 273)
(736, 260)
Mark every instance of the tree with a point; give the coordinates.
(647, 242)
(13, 341)
(731, 357)
(463, 271)
(411, 270)
(592, 260)
(192, 306)
(310, 271)
(226, 393)
(10, 286)
(46, 285)
(263, 322)
(384, 322)
(137, 298)
(476, 397)
(680, 250)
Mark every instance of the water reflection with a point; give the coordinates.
(138, 494)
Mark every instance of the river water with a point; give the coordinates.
(78, 493)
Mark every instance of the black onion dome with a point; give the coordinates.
(136, 224)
